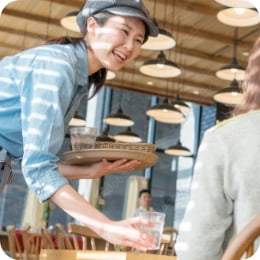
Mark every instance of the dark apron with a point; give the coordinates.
(5, 169)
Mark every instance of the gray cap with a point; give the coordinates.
(132, 8)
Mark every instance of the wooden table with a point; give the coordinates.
(48, 254)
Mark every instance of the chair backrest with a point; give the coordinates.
(31, 243)
(62, 238)
(243, 242)
(15, 245)
(165, 242)
(47, 242)
(96, 242)
(168, 248)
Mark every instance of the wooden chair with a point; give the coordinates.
(31, 243)
(62, 238)
(243, 242)
(168, 243)
(96, 242)
(165, 242)
(46, 242)
(15, 246)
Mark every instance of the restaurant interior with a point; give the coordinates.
(184, 82)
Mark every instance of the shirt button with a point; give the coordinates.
(38, 192)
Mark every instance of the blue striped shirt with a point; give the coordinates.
(41, 89)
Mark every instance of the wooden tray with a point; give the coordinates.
(88, 156)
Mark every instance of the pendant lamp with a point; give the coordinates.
(128, 136)
(178, 119)
(236, 3)
(178, 150)
(238, 17)
(160, 67)
(77, 120)
(181, 105)
(69, 22)
(231, 95)
(163, 110)
(232, 70)
(4, 3)
(110, 75)
(163, 41)
(118, 119)
(105, 137)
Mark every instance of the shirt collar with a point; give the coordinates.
(81, 53)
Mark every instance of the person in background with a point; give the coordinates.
(41, 89)
(144, 201)
(226, 189)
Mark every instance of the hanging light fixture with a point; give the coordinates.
(128, 136)
(160, 67)
(105, 137)
(236, 3)
(232, 70)
(181, 105)
(110, 75)
(77, 120)
(178, 119)
(164, 110)
(178, 150)
(238, 17)
(4, 3)
(231, 95)
(163, 41)
(118, 119)
(69, 22)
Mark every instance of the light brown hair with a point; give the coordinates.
(251, 84)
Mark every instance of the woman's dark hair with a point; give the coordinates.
(97, 79)
(251, 84)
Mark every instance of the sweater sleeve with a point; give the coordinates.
(209, 211)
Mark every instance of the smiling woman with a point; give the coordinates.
(41, 89)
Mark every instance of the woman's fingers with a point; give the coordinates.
(121, 164)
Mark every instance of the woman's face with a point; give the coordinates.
(116, 43)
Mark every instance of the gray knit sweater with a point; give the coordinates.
(225, 193)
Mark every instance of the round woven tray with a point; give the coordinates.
(142, 147)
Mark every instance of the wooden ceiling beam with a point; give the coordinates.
(73, 3)
(181, 50)
(10, 30)
(31, 17)
(187, 96)
(128, 74)
(191, 31)
(207, 35)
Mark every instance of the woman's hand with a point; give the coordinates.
(106, 167)
(125, 233)
(122, 233)
(97, 169)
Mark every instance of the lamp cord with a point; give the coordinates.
(235, 42)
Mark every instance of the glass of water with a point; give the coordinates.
(157, 218)
(83, 137)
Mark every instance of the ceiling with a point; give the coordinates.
(203, 43)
